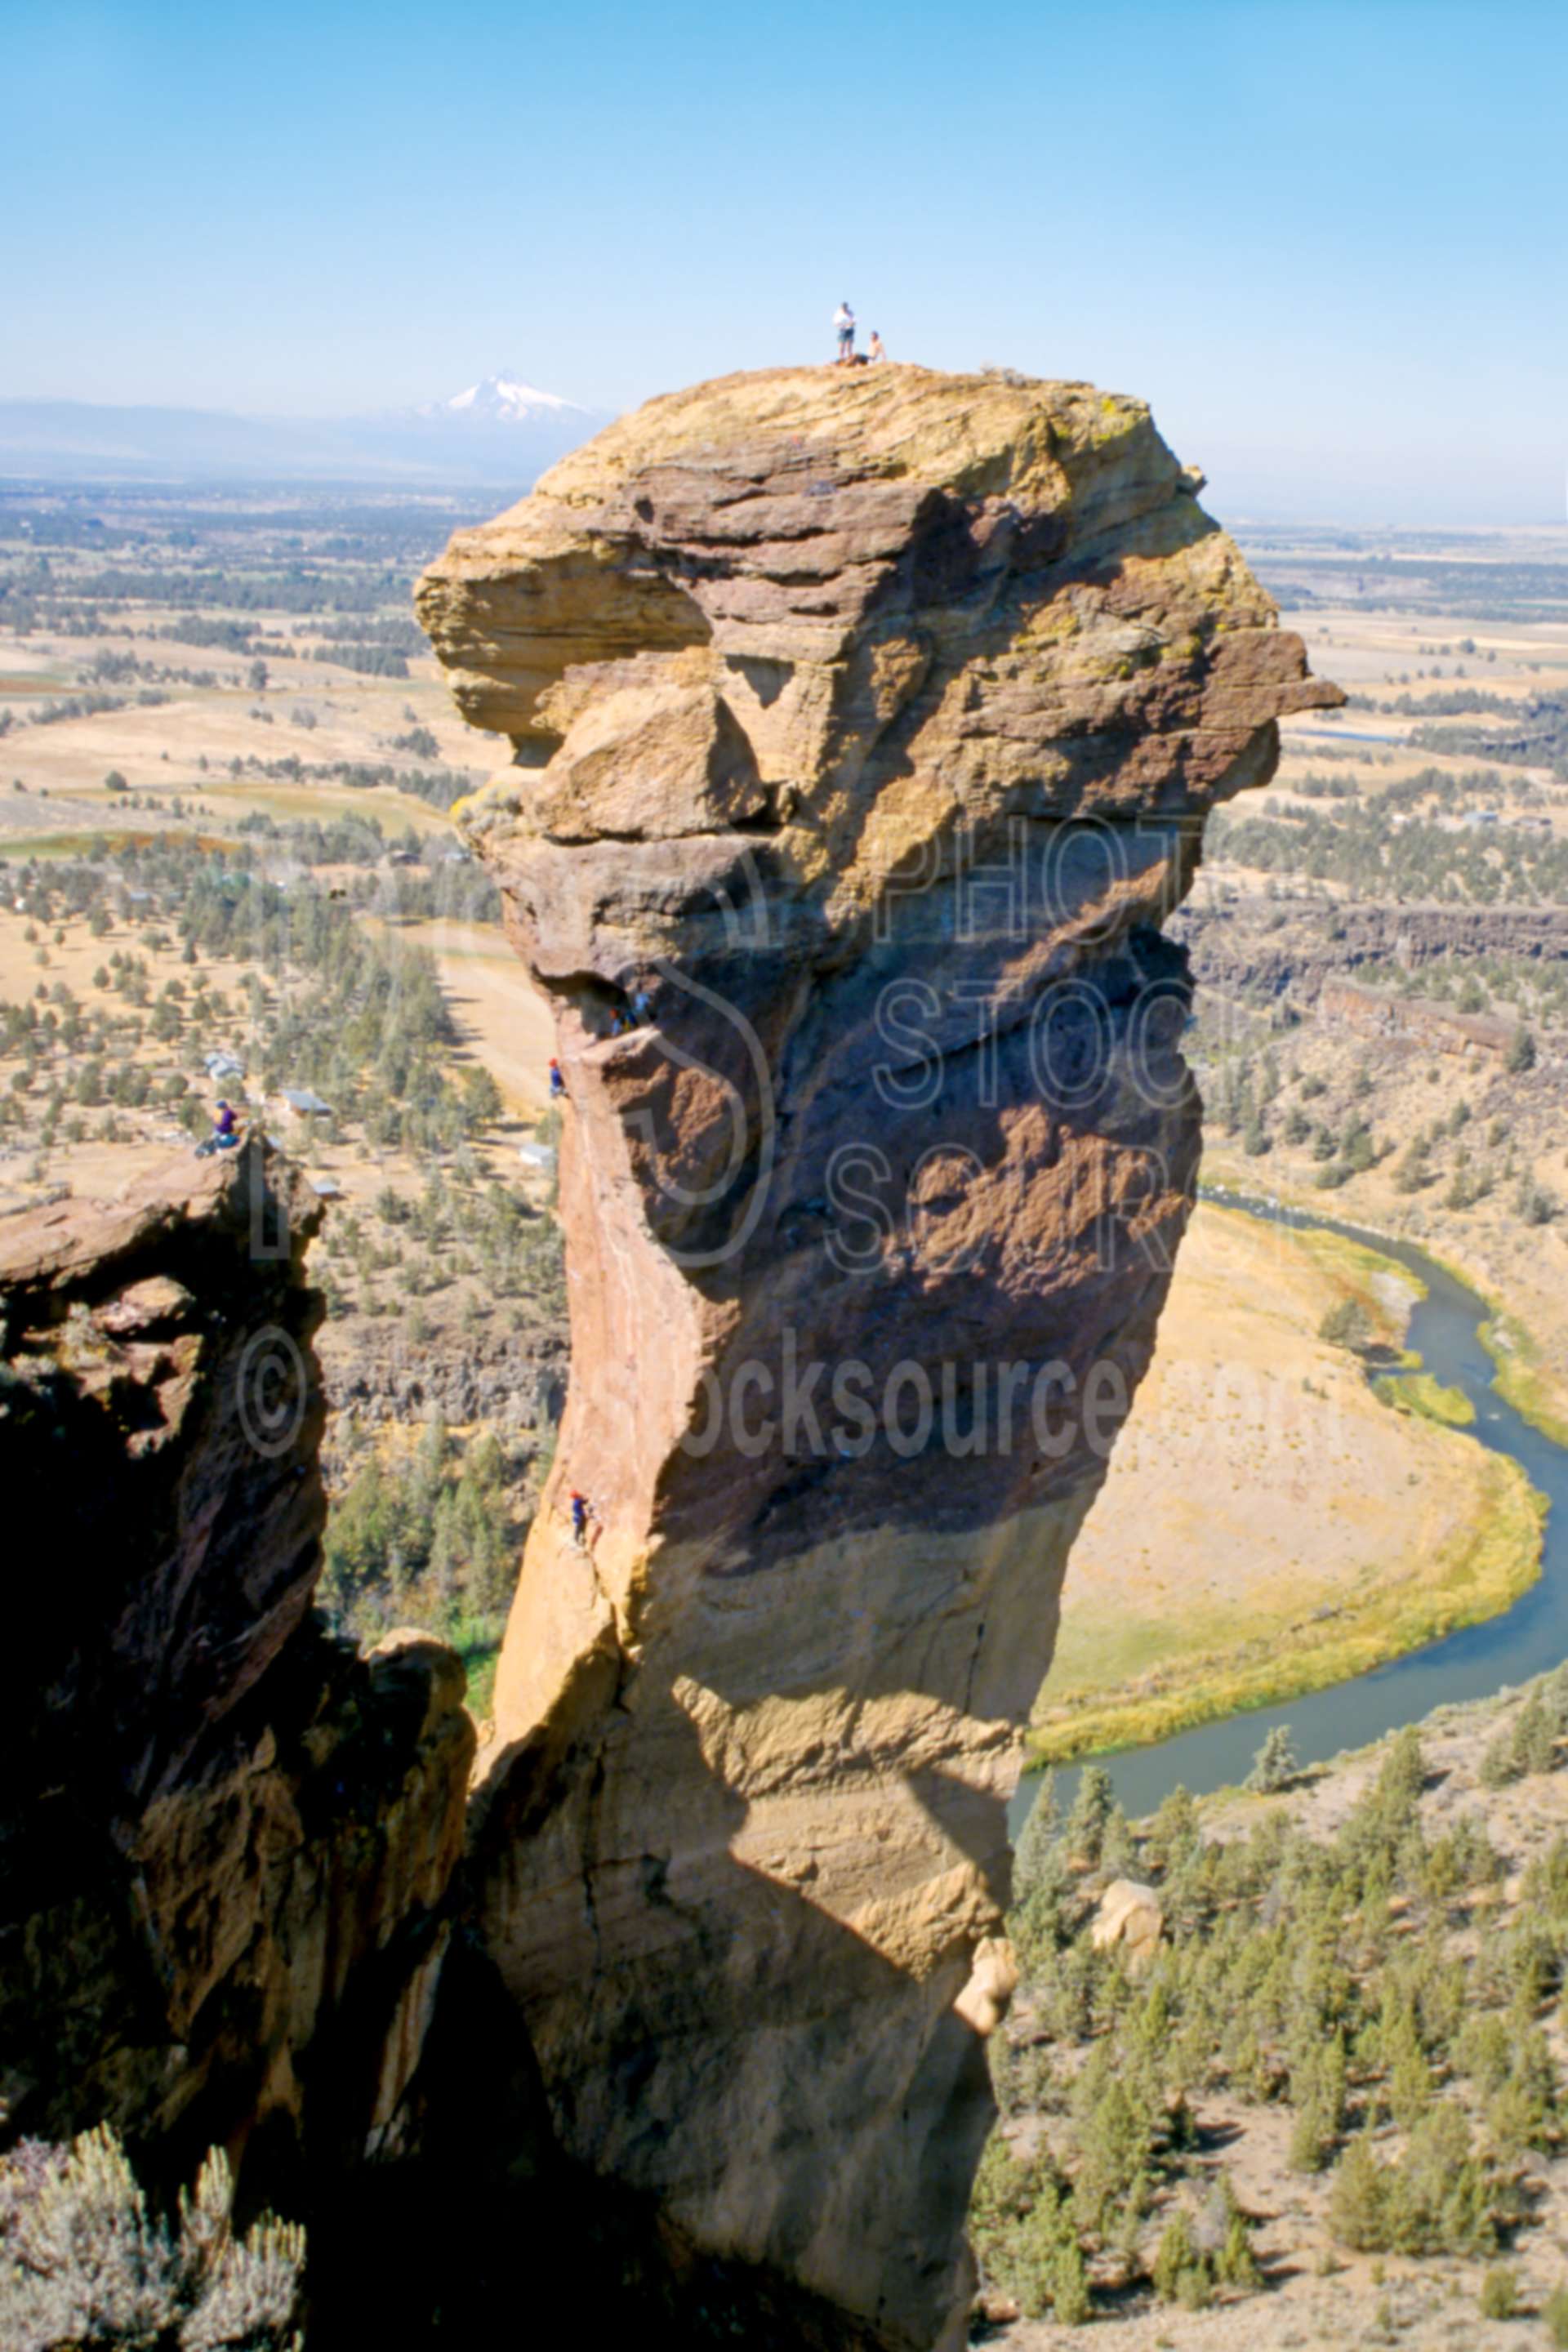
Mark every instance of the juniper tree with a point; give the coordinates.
(1091, 1812)
(1318, 2096)
(1172, 1834)
(1274, 1766)
(1036, 1857)
(1182, 2272)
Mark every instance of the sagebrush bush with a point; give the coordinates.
(1554, 2313)
(1500, 2294)
(85, 2267)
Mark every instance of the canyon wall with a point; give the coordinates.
(863, 724)
(227, 1842)
(1301, 945)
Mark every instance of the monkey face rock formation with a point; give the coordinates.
(226, 1838)
(865, 724)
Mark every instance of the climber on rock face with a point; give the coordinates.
(557, 1083)
(579, 1517)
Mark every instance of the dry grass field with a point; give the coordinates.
(1259, 1464)
(1270, 1524)
(243, 668)
(225, 763)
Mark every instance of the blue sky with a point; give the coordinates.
(1324, 240)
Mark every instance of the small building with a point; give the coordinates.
(303, 1109)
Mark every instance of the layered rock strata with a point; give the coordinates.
(864, 728)
(225, 1841)
(1269, 945)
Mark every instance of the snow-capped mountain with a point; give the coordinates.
(502, 399)
(501, 431)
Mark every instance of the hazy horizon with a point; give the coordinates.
(1247, 488)
(1306, 238)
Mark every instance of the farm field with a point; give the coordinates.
(225, 766)
(229, 682)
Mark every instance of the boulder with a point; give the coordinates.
(1130, 1920)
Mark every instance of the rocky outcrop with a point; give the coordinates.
(1129, 1916)
(865, 724)
(225, 1841)
(1414, 1019)
(511, 1379)
(1298, 945)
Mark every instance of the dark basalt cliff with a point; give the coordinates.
(1270, 946)
(226, 1842)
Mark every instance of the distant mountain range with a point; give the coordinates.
(500, 431)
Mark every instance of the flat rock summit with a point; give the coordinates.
(864, 726)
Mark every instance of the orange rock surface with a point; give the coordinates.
(864, 729)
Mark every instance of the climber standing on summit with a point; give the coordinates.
(843, 326)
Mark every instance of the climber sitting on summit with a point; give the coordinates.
(225, 1136)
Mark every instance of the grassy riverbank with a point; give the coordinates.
(1523, 1381)
(1270, 1527)
(1526, 1378)
(1484, 1571)
(1419, 1392)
